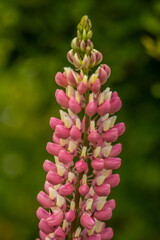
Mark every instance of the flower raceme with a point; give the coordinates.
(79, 181)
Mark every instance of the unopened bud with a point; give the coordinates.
(76, 61)
(82, 45)
(74, 43)
(70, 55)
(85, 62)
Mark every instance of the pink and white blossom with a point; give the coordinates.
(80, 178)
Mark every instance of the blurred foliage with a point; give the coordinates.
(34, 39)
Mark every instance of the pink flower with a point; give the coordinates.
(91, 108)
(80, 175)
(53, 149)
(70, 216)
(107, 234)
(104, 108)
(54, 122)
(44, 200)
(102, 190)
(84, 189)
(112, 163)
(87, 221)
(81, 166)
(75, 133)
(65, 157)
(82, 87)
(96, 86)
(59, 234)
(61, 80)
(74, 105)
(41, 213)
(66, 189)
(44, 227)
(62, 132)
(55, 219)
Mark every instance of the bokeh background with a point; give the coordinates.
(35, 36)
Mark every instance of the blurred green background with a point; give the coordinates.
(35, 36)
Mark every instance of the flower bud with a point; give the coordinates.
(54, 178)
(111, 135)
(116, 150)
(61, 80)
(75, 133)
(44, 200)
(62, 98)
(97, 164)
(107, 69)
(56, 218)
(54, 122)
(79, 35)
(89, 34)
(42, 235)
(83, 189)
(66, 189)
(65, 157)
(110, 203)
(74, 44)
(94, 237)
(53, 148)
(104, 214)
(47, 185)
(115, 105)
(74, 106)
(87, 221)
(99, 56)
(104, 108)
(81, 166)
(84, 34)
(107, 234)
(120, 127)
(91, 108)
(70, 216)
(85, 62)
(56, 139)
(71, 77)
(92, 60)
(102, 190)
(70, 55)
(102, 75)
(59, 234)
(112, 163)
(82, 46)
(49, 166)
(89, 46)
(41, 213)
(76, 61)
(43, 226)
(82, 87)
(113, 180)
(62, 132)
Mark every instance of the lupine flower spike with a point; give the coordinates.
(75, 202)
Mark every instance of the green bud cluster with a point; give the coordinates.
(84, 28)
(83, 55)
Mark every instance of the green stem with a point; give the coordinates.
(77, 194)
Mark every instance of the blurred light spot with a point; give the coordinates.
(13, 165)
(10, 117)
(155, 90)
(10, 17)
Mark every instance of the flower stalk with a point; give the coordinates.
(80, 179)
